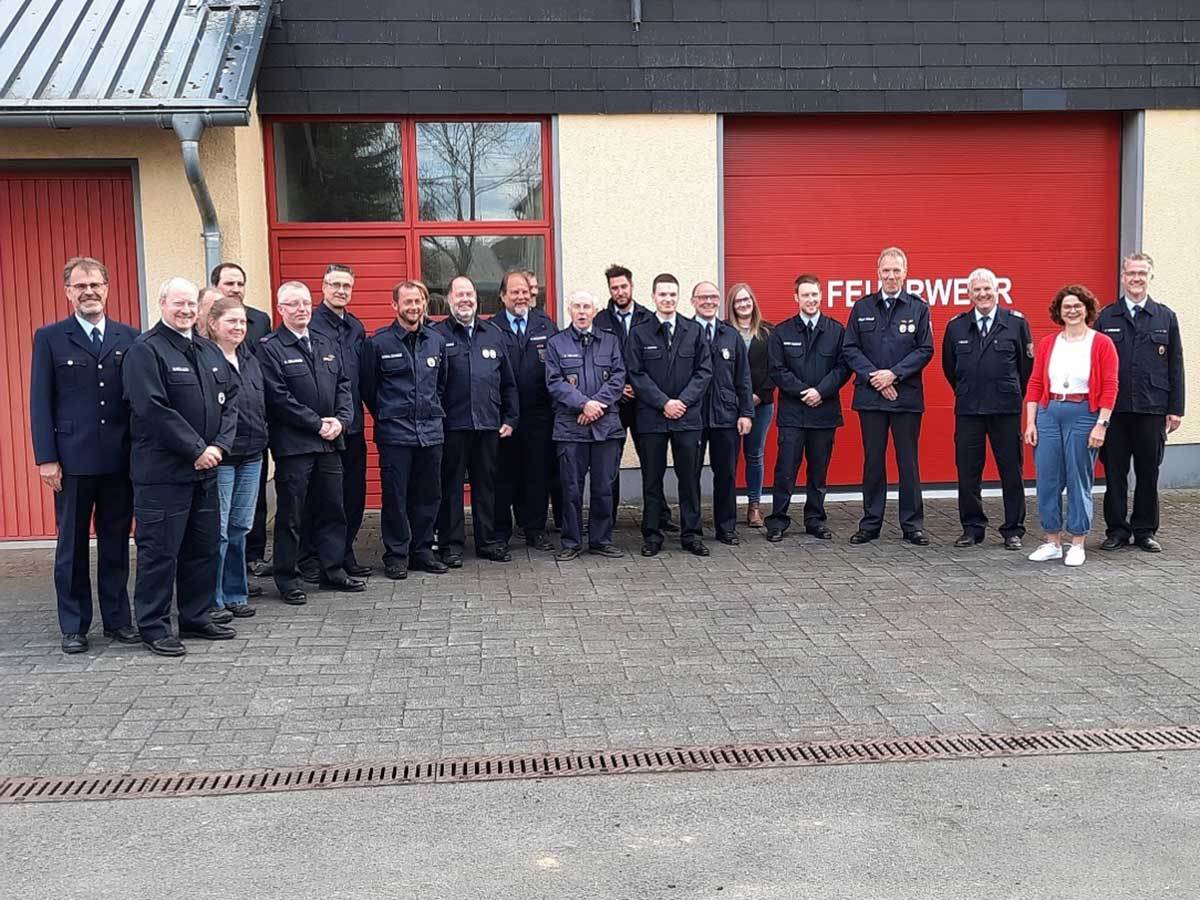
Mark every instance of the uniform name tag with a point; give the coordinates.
(180, 369)
(651, 347)
(450, 344)
(866, 318)
(538, 338)
(1160, 331)
(392, 356)
(964, 342)
(571, 356)
(1113, 330)
(290, 362)
(793, 344)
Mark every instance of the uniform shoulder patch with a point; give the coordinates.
(1017, 313)
(1029, 349)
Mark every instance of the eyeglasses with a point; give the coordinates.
(707, 297)
(89, 286)
(341, 285)
(295, 304)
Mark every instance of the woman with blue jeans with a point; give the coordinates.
(237, 476)
(743, 314)
(1068, 404)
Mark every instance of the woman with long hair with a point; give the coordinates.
(744, 315)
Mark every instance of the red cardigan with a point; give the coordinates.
(1102, 383)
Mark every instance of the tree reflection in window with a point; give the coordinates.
(485, 258)
(338, 172)
(475, 171)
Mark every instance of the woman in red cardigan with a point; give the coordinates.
(1067, 406)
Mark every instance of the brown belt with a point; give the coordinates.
(1070, 398)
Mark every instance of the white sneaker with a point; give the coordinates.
(1075, 555)
(1046, 552)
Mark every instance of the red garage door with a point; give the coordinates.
(45, 219)
(378, 262)
(1032, 197)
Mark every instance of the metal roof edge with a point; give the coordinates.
(108, 118)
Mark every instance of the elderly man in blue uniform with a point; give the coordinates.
(403, 378)
(309, 406)
(482, 409)
(670, 365)
(728, 409)
(229, 278)
(182, 396)
(1149, 404)
(80, 424)
(889, 342)
(807, 365)
(526, 460)
(585, 375)
(332, 318)
(619, 317)
(987, 356)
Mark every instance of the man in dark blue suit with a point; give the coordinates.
(81, 447)
(669, 364)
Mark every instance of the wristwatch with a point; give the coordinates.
(1103, 422)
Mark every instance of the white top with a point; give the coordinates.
(1071, 365)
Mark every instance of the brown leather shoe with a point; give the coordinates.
(753, 517)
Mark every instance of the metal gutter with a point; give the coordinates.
(189, 129)
(104, 119)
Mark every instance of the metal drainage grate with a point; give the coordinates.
(36, 789)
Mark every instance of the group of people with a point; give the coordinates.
(171, 428)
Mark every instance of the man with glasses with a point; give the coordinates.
(183, 398)
(309, 406)
(332, 319)
(80, 424)
(1149, 404)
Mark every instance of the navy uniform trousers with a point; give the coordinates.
(685, 450)
(797, 445)
(468, 455)
(525, 463)
(178, 537)
(576, 461)
(354, 501)
(299, 478)
(905, 428)
(412, 492)
(972, 433)
(723, 445)
(112, 498)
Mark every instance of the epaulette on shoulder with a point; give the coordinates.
(1017, 313)
(959, 316)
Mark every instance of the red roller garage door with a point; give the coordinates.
(1032, 197)
(45, 219)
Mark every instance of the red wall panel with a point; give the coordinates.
(1034, 197)
(46, 218)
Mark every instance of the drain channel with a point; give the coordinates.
(38, 789)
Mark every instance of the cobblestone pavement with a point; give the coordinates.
(761, 642)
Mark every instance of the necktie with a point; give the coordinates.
(809, 327)
(666, 328)
(97, 339)
(521, 328)
(983, 326)
(1133, 313)
(189, 351)
(307, 345)
(586, 340)
(708, 332)
(625, 322)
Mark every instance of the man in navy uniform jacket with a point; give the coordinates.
(889, 342)
(81, 446)
(182, 394)
(670, 366)
(585, 375)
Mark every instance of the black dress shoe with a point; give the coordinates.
(452, 560)
(863, 537)
(1012, 542)
(697, 548)
(920, 538)
(668, 526)
(774, 536)
(429, 564)
(651, 549)
(1113, 543)
(259, 568)
(495, 554)
(209, 632)
(168, 646)
(344, 583)
(242, 610)
(1149, 544)
(538, 540)
(731, 539)
(968, 539)
(566, 554)
(294, 597)
(396, 573)
(358, 570)
(254, 591)
(612, 551)
(74, 643)
(220, 615)
(126, 634)
(821, 532)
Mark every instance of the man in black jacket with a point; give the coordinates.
(182, 396)
(308, 407)
(807, 366)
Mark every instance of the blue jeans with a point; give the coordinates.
(753, 446)
(1063, 459)
(237, 488)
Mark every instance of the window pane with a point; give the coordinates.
(338, 172)
(485, 258)
(473, 171)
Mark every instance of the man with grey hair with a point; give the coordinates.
(987, 356)
(309, 405)
(182, 398)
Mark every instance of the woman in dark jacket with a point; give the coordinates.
(744, 315)
(237, 476)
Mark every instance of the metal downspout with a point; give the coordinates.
(189, 129)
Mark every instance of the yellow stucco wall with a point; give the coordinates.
(1171, 226)
(170, 236)
(641, 191)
